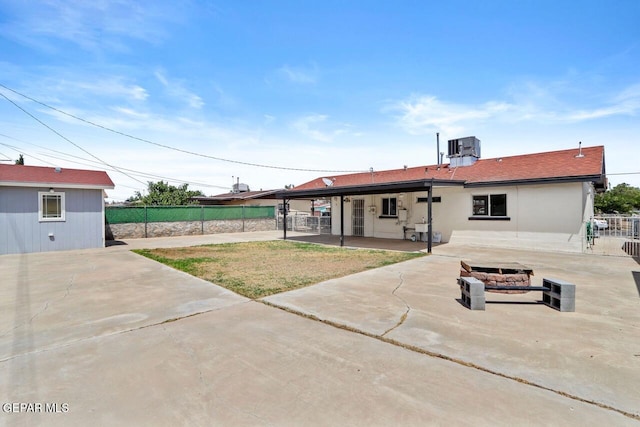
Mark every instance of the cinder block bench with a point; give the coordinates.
(557, 294)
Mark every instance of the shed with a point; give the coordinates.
(50, 209)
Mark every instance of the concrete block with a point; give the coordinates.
(476, 303)
(472, 285)
(561, 296)
(472, 293)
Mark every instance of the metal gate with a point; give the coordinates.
(357, 217)
(615, 235)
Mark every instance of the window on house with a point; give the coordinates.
(434, 199)
(51, 206)
(389, 206)
(490, 205)
(498, 205)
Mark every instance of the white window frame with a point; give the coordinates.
(41, 216)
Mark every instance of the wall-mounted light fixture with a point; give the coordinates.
(51, 190)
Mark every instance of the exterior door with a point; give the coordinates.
(357, 217)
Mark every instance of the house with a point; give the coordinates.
(49, 209)
(533, 201)
(241, 194)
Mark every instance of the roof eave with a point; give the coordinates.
(532, 181)
(56, 185)
(363, 189)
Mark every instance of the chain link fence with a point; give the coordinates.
(306, 223)
(142, 214)
(156, 221)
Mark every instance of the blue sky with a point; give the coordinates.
(319, 86)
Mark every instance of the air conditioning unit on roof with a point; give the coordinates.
(464, 151)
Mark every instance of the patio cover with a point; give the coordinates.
(368, 189)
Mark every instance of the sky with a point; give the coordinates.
(275, 93)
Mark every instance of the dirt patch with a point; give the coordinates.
(259, 269)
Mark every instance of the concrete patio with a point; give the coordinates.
(122, 340)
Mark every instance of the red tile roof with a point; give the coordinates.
(244, 195)
(33, 176)
(548, 166)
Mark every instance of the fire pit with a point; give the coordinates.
(498, 274)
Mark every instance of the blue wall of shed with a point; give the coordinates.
(21, 232)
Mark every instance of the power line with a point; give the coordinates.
(168, 147)
(623, 173)
(92, 163)
(65, 138)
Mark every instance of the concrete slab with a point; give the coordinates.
(53, 299)
(592, 354)
(250, 364)
(106, 337)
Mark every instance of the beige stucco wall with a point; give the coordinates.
(543, 217)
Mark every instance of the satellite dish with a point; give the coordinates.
(327, 182)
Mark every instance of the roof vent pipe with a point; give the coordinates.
(580, 150)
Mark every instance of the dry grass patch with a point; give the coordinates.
(259, 269)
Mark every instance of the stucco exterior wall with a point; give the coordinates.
(22, 232)
(544, 217)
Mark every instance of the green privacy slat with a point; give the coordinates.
(123, 215)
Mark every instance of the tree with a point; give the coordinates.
(161, 193)
(20, 160)
(622, 199)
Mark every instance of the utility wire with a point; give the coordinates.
(623, 173)
(174, 148)
(65, 138)
(93, 163)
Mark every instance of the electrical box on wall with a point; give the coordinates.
(402, 214)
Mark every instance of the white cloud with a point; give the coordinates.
(305, 125)
(268, 119)
(423, 114)
(176, 89)
(89, 24)
(427, 114)
(317, 127)
(112, 87)
(300, 75)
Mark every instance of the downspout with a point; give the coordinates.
(341, 220)
(429, 217)
(104, 221)
(284, 217)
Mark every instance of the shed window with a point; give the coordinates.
(51, 206)
(389, 206)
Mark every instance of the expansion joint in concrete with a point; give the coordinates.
(448, 358)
